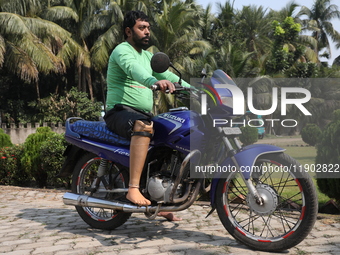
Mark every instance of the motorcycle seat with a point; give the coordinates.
(97, 130)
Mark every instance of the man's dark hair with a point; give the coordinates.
(131, 17)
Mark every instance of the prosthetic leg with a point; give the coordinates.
(140, 140)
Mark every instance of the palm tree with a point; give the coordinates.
(209, 21)
(255, 26)
(224, 28)
(226, 14)
(96, 26)
(179, 34)
(76, 17)
(287, 11)
(234, 61)
(177, 31)
(319, 22)
(31, 46)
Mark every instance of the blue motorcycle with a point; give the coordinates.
(263, 197)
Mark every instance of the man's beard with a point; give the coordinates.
(142, 43)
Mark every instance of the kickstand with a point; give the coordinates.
(211, 211)
(153, 216)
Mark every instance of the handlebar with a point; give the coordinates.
(178, 88)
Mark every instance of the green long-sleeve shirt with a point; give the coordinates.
(130, 76)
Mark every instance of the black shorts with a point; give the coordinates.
(121, 118)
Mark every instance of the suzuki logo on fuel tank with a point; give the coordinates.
(239, 101)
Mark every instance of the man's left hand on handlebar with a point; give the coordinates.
(165, 85)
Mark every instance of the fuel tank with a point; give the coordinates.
(182, 130)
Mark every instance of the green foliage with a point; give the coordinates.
(328, 152)
(249, 135)
(31, 159)
(303, 70)
(36, 162)
(287, 53)
(5, 140)
(51, 155)
(287, 30)
(336, 115)
(11, 170)
(319, 20)
(310, 134)
(57, 108)
(74, 44)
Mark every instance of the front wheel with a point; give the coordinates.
(83, 182)
(289, 210)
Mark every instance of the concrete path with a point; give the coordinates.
(35, 221)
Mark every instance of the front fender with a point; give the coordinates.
(246, 159)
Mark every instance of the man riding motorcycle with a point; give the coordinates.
(130, 99)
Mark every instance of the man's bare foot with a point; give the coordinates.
(169, 216)
(136, 197)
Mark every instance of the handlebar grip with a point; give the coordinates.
(178, 88)
(155, 87)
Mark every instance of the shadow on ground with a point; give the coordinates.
(135, 231)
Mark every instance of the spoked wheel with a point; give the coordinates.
(289, 207)
(84, 182)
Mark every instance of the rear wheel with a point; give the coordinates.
(289, 210)
(83, 182)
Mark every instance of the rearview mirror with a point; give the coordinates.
(160, 62)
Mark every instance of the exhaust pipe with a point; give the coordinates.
(186, 160)
(86, 201)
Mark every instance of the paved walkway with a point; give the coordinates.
(35, 221)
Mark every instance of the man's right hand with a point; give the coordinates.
(166, 85)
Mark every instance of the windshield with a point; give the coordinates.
(220, 77)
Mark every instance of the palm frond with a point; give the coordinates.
(17, 31)
(304, 11)
(308, 40)
(23, 8)
(311, 55)
(58, 39)
(42, 56)
(12, 25)
(103, 46)
(56, 13)
(21, 63)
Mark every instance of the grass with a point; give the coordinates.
(300, 151)
(304, 155)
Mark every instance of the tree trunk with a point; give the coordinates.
(37, 89)
(79, 78)
(83, 79)
(103, 82)
(87, 73)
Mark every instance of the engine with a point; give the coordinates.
(163, 174)
(159, 188)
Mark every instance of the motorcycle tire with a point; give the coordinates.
(289, 210)
(84, 176)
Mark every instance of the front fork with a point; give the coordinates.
(231, 153)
